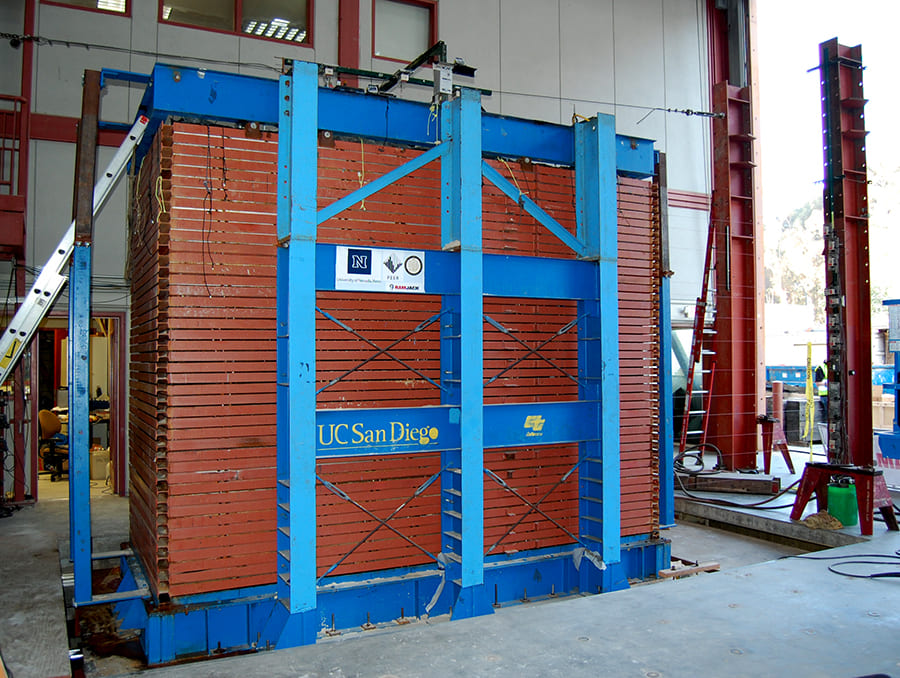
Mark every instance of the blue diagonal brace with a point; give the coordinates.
(533, 209)
(381, 182)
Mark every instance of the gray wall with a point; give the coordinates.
(544, 59)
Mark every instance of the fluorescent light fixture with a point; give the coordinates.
(301, 37)
(291, 33)
(250, 26)
(112, 5)
(167, 12)
(261, 28)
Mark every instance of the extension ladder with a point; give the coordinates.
(51, 280)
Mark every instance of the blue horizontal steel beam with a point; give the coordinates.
(381, 182)
(413, 430)
(199, 94)
(504, 275)
(532, 208)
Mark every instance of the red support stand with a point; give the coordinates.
(871, 492)
(773, 436)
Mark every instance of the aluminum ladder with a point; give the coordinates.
(51, 281)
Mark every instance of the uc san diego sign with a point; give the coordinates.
(375, 431)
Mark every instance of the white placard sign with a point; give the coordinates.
(370, 269)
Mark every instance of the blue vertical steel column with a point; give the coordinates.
(464, 117)
(666, 426)
(79, 422)
(451, 460)
(598, 333)
(296, 300)
(666, 414)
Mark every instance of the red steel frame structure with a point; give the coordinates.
(734, 404)
(846, 234)
(738, 384)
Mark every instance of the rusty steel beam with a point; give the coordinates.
(86, 158)
(846, 235)
(738, 341)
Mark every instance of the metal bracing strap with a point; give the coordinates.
(383, 351)
(381, 522)
(533, 506)
(532, 208)
(381, 182)
(533, 351)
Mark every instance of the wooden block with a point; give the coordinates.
(732, 482)
(684, 571)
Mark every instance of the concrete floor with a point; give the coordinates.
(754, 618)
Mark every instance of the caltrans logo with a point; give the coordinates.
(535, 422)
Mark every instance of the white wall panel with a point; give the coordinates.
(268, 53)
(59, 68)
(687, 87)
(639, 52)
(53, 168)
(532, 107)
(194, 43)
(587, 51)
(586, 109)
(50, 189)
(545, 59)
(470, 28)
(687, 251)
(325, 35)
(12, 18)
(529, 49)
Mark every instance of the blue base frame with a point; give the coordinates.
(254, 619)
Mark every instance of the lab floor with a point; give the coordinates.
(758, 616)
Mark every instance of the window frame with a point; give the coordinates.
(96, 10)
(238, 11)
(430, 5)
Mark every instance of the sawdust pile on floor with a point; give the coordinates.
(822, 520)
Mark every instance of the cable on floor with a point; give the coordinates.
(696, 454)
(859, 559)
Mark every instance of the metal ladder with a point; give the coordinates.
(699, 352)
(51, 281)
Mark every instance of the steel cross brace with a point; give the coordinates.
(532, 351)
(381, 182)
(331, 487)
(533, 209)
(383, 351)
(533, 507)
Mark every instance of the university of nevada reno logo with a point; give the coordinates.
(359, 262)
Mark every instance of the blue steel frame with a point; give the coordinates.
(297, 609)
(79, 423)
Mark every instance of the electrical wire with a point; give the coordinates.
(859, 559)
(53, 42)
(717, 469)
(15, 38)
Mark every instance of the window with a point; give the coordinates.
(403, 29)
(111, 6)
(284, 20)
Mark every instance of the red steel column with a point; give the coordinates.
(348, 39)
(846, 234)
(738, 342)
